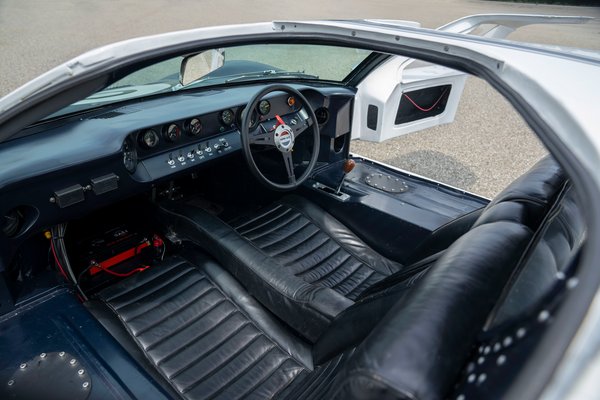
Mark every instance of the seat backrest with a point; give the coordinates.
(526, 199)
(419, 347)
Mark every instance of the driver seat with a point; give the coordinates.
(291, 255)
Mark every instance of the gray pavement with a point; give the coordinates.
(487, 146)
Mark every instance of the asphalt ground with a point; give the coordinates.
(482, 151)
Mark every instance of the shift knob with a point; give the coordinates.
(349, 166)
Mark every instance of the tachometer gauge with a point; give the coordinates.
(129, 156)
(172, 133)
(195, 127)
(227, 117)
(264, 107)
(150, 138)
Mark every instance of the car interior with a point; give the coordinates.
(227, 243)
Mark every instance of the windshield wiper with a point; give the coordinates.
(271, 73)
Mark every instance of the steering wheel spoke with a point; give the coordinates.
(260, 136)
(289, 167)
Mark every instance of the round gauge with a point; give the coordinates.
(149, 138)
(264, 107)
(253, 117)
(227, 117)
(291, 101)
(129, 156)
(172, 133)
(195, 127)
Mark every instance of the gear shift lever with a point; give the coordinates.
(348, 166)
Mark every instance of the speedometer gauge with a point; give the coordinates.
(264, 107)
(172, 132)
(227, 117)
(150, 138)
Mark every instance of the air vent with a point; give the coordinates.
(322, 115)
(12, 222)
(117, 112)
(108, 115)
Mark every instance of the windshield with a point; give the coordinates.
(229, 65)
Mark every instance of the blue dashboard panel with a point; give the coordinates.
(56, 326)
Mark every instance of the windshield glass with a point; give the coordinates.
(229, 65)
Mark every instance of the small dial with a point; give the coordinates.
(264, 107)
(291, 101)
(172, 133)
(227, 117)
(195, 127)
(150, 138)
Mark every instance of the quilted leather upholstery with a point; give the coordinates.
(315, 247)
(201, 338)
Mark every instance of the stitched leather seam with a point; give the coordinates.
(215, 347)
(335, 269)
(338, 243)
(241, 373)
(170, 315)
(184, 326)
(218, 367)
(280, 239)
(254, 219)
(163, 301)
(200, 336)
(274, 221)
(304, 255)
(319, 264)
(294, 245)
(263, 380)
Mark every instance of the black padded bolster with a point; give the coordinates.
(420, 346)
(307, 308)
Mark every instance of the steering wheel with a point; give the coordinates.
(282, 136)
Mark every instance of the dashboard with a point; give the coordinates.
(64, 169)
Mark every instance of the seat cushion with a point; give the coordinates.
(204, 334)
(314, 246)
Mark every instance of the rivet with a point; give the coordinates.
(507, 341)
(571, 283)
(11, 382)
(23, 366)
(73, 361)
(480, 360)
(81, 372)
(471, 378)
(560, 275)
(543, 316)
(497, 347)
(62, 354)
(397, 38)
(486, 350)
(43, 355)
(470, 367)
(521, 332)
(481, 378)
(85, 385)
(501, 359)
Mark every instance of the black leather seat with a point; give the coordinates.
(307, 267)
(203, 333)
